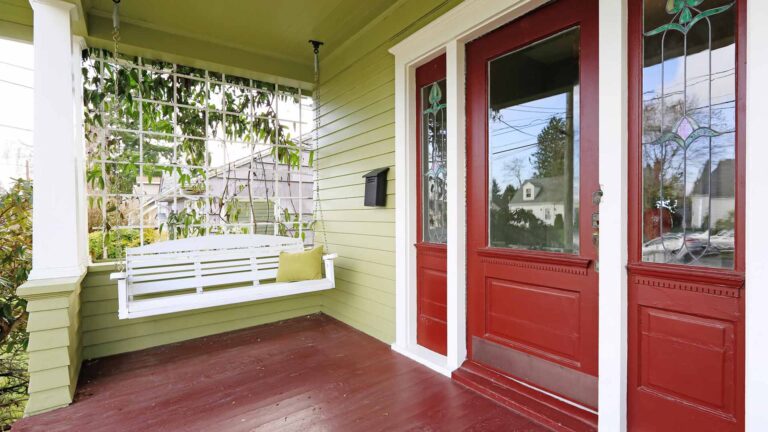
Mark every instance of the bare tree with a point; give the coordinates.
(514, 169)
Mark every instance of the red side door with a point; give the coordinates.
(431, 282)
(686, 205)
(532, 105)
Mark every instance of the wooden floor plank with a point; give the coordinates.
(306, 374)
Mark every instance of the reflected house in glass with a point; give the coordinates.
(542, 197)
(715, 189)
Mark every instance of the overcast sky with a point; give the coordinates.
(16, 62)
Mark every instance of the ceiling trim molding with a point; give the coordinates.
(196, 36)
(147, 42)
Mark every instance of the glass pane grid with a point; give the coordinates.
(175, 151)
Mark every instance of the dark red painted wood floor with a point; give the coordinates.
(309, 374)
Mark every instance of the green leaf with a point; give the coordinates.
(686, 16)
(710, 12)
(435, 94)
(668, 137)
(674, 6)
(699, 133)
(665, 27)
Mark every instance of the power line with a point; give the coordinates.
(17, 128)
(16, 84)
(17, 66)
(516, 148)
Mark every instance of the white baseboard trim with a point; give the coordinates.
(432, 360)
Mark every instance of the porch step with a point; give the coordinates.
(537, 406)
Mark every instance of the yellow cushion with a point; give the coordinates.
(300, 266)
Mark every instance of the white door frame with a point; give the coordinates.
(448, 34)
(756, 254)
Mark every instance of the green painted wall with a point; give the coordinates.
(357, 135)
(16, 20)
(103, 334)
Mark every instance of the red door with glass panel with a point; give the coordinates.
(532, 104)
(431, 331)
(686, 201)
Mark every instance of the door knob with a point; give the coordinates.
(597, 196)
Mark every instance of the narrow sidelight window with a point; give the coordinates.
(433, 163)
(689, 132)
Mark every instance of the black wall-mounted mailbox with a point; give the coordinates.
(376, 187)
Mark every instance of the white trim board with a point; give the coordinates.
(447, 34)
(756, 357)
(614, 179)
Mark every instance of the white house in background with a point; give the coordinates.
(722, 194)
(541, 196)
(294, 190)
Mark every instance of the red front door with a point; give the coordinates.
(532, 106)
(686, 202)
(431, 330)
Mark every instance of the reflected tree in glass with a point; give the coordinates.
(689, 102)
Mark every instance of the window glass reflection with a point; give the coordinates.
(433, 163)
(689, 121)
(533, 154)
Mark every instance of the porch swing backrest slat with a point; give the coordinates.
(186, 274)
(205, 270)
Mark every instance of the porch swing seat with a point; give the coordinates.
(203, 272)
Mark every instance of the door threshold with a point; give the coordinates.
(534, 404)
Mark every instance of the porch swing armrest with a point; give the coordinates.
(329, 271)
(117, 276)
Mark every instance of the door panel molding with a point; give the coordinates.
(537, 261)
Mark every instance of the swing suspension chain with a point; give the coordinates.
(115, 102)
(116, 24)
(315, 100)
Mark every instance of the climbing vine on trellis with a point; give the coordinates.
(151, 123)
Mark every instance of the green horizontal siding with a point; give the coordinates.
(357, 134)
(55, 342)
(104, 334)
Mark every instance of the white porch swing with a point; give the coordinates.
(214, 270)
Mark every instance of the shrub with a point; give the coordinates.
(15, 264)
(117, 241)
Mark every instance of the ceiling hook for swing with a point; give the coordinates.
(116, 15)
(315, 44)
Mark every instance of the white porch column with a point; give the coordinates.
(457, 215)
(612, 379)
(756, 417)
(58, 236)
